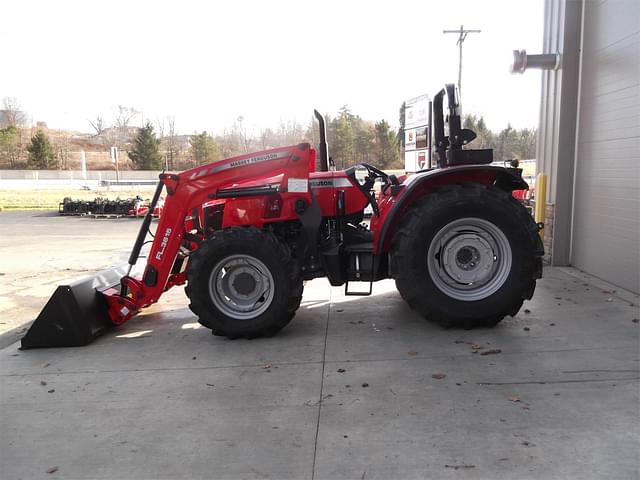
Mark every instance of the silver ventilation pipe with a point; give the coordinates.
(546, 61)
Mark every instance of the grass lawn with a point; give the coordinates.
(49, 199)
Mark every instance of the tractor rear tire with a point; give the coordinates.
(466, 256)
(244, 283)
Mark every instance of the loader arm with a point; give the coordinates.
(244, 180)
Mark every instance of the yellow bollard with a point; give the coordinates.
(541, 201)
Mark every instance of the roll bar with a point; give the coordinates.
(449, 147)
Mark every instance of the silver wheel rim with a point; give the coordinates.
(469, 259)
(241, 287)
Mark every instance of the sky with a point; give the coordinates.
(206, 63)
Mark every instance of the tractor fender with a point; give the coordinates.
(424, 182)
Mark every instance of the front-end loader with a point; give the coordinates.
(244, 233)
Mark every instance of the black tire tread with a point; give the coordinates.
(218, 324)
(460, 195)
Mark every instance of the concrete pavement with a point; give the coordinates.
(353, 388)
(40, 249)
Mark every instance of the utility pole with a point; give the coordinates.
(462, 35)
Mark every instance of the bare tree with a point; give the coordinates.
(266, 138)
(12, 113)
(171, 147)
(172, 143)
(120, 135)
(160, 126)
(229, 143)
(61, 145)
(291, 132)
(161, 129)
(124, 115)
(241, 132)
(98, 125)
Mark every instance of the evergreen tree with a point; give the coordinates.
(386, 146)
(41, 153)
(527, 144)
(364, 135)
(470, 122)
(508, 144)
(485, 136)
(10, 146)
(343, 142)
(506, 147)
(145, 154)
(204, 148)
(400, 135)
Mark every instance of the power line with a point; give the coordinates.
(462, 35)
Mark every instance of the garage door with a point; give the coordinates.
(606, 223)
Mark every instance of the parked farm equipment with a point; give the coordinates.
(131, 207)
(244, 233)
(98, 206)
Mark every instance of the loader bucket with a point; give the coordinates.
(76, 313)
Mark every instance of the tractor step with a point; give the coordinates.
(360, 267)
(358, 293)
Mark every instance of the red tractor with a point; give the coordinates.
(244, 234)
(141, 207)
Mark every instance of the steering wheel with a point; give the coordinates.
(369, 180)
(374, 173)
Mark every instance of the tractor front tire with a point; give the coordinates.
(244, 283)
(466, 256)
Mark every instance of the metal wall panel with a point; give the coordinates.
(557, 131)
(606, 207)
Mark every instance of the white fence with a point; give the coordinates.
(60, 179)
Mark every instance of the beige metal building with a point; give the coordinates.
(589, 137)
